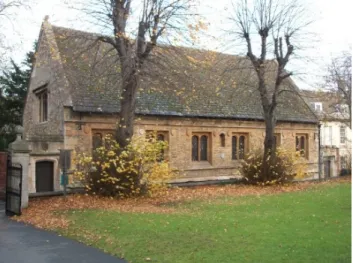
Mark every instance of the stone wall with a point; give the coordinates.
(79, 127)
(46, 138)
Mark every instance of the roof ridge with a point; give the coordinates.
(159, 45)
(77, 30)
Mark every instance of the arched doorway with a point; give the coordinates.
(44, 176)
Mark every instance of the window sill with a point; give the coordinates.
(201, 164)
(209, 168)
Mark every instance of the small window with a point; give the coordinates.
(239, 146)
(343, 134)
(195, 148)
(277, 140)
(97, 140)
(318, 106)
(98, 137)
(330, 134)
(343, 162)
(301, 143)
(160, 137)
(234, 147)
(222, 139)
(43, 105)
(203, 147)
(200, 147)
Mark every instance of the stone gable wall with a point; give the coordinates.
(47, 70)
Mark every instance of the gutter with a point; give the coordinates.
(210, 116)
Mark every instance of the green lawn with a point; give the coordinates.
(308, 226)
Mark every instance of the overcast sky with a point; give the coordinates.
(332, 27)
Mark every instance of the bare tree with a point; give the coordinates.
(6, 5)
(339, 81)
(156, 17)
(276, 24)
(8, 10)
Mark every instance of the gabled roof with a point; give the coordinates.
(176, 82)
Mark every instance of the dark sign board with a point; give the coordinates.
(65, 159)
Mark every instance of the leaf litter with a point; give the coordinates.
(48, 213)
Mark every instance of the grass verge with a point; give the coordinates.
(313, 225)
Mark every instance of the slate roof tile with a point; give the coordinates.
(176, 82)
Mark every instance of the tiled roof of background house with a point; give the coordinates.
(176, 82)
(332, 104)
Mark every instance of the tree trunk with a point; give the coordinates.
(269, 146)
(125, 129)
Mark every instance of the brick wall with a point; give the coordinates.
(3, 169)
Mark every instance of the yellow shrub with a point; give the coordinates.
(286, 166)
(137, 169)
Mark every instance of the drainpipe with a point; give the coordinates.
(320, 166)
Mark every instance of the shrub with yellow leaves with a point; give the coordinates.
(140, 168)
(286, 166)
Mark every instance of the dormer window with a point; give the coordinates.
(42, 95)
(318, 106)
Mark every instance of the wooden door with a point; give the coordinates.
(44, 176)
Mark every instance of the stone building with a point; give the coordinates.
(207, 111)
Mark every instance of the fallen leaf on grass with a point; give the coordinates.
(48, 213)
